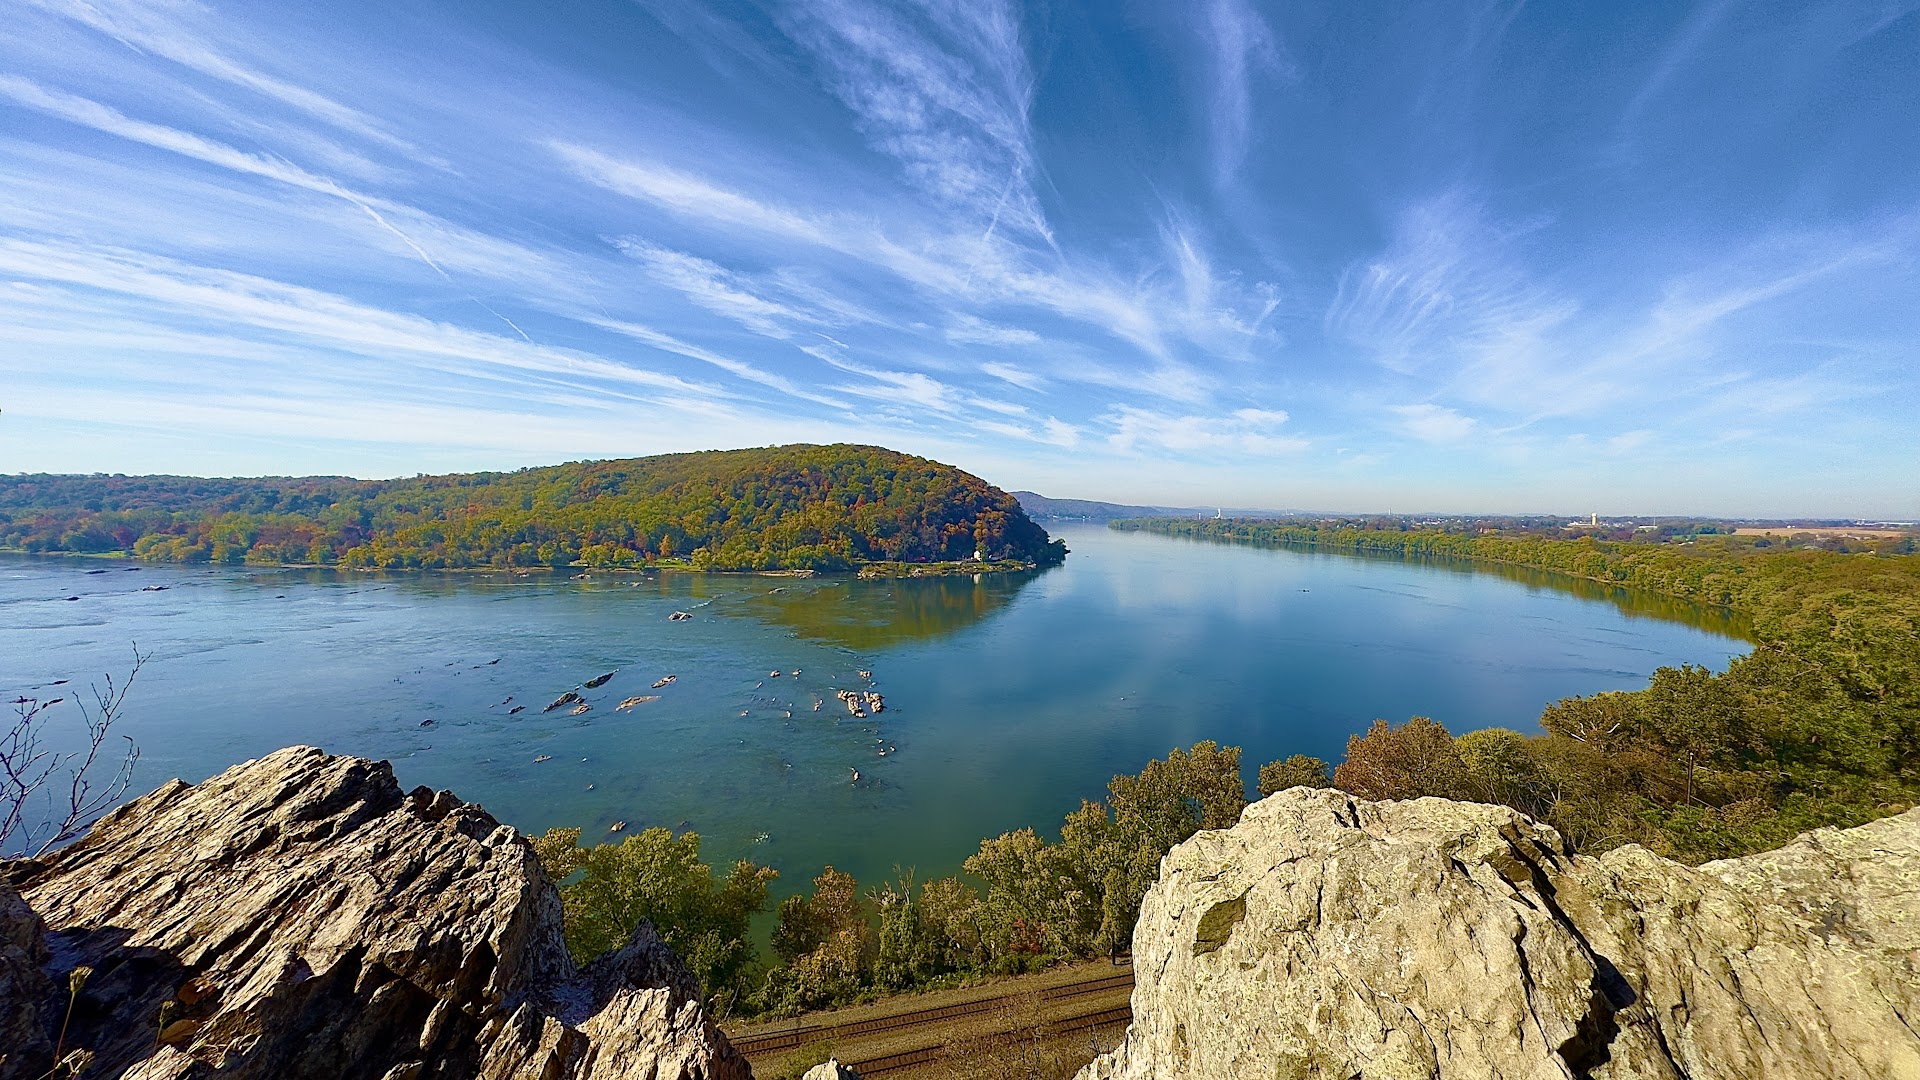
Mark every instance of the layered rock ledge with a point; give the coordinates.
(1329, 937)
(299, 916)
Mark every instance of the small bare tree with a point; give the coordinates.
(48, 797)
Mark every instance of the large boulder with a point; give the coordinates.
(300, 916)
(1329, 937)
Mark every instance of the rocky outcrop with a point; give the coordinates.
(24, 989)
(1328, 937)
(830, 1069)
(300, 917)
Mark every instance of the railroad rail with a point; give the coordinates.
(795, 1037)
(929, 1055)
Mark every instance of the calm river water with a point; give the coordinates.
(1008, 699)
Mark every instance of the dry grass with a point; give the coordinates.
(1019, 1042)
(1014, 1039)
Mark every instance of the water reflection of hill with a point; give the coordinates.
(854, 613)
(873, 614)
(1634, 603)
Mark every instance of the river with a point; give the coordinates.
(1008, 698)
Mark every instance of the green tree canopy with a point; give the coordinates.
(1299, 770)
(658, 877)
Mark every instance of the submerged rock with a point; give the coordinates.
(300, 917)
(1325, 936)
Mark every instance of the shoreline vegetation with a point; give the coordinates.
(873, 570)
(1818, 726)
(829, 509)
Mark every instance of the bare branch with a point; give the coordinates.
(28, 770)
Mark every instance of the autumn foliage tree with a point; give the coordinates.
(657, 877)
(1406, 762)
(825, 943)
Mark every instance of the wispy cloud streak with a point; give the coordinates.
(236, 300)
(154, 27)
(945, 90)
(1243, 50)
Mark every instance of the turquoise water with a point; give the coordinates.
(1009, 699)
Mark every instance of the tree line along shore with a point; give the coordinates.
(1819, 725)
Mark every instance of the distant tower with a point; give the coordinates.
(1219, 512)
(1595, 522)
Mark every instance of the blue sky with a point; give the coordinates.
(1637, 258)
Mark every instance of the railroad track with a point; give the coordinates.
(792, 1038)
(929, 1055)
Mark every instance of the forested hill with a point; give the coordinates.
(789, 507)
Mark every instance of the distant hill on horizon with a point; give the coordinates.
(1040, 506)
(802, 506)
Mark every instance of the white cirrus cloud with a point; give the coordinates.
(972, 330)
(1020, 377)
(714, 288)
(1243, 49)
(684, 193)
(1434, 423)
(159, 28)
(258, 302)
(1052, 432)
(1248, 431)
(942, 89)
(1147, 314)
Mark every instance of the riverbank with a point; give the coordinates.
(1715, 571)
(869, 570)
(942, 569)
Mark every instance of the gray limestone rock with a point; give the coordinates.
(300, 917)
(25, 989)
(1328, 937)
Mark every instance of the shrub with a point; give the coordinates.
(1296, 771)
